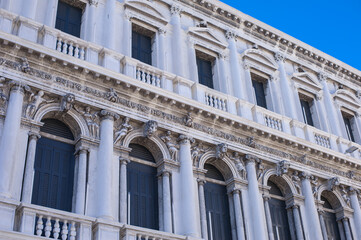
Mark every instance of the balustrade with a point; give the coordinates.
(138, 233)
(216, 101)
(70, 47)
(273, 122)
(148, 76)
(322, 140)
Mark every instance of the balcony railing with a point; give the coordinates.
(74, 47)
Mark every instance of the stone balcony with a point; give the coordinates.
(92, 57)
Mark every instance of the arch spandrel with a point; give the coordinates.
(154, 144)
(225, 165)
(72, 118)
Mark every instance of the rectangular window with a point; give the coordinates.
(306, 112)
(205, 72)
(68, 19)
(259, 90)
(347, 120)
(142, 47)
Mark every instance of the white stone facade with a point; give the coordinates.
(110, 100)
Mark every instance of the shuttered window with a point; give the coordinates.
(142, 47)
(330, 221)
(142, 190)
(205, 74)
(68, 19)
(259, 93)
(348, 126)
(306, 112)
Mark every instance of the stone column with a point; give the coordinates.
(81, 181)
(239, 89)
(91, 21)
(109, 22)
(258, 223)
(322, 113)
(224, 85)
(332, 117)
(310, 207)
(291, 223)
(104, 165)
(167, 209)
(355, 204)
(323, 225)
(177, 42)
(346, 226)
(202, 209)
(161, 49)
(297, 221)
(188, 208)
(248, 79)
(51, 10)
(268, 218)
(29, 168)
(123, 190)
(232, 216)
(29, 8)
(193, 68)
(286, 89)
(8, 139)
(160, 202)
(340, 229)
(238, 214)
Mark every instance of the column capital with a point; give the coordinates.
(352, 190)
(19, 86)
(295, 206)
(93, 2)
(162, 31)
(124, 161)
(81, 150)
(322, 76)
(248, 158)
(279, 57)
(266, 197)
(201, 181)
(183, 139)
(175, 9)
(34, 135)
(230, 34)
(304, 176)
(165, 173)
(246, 66)
(236, 191)
(105, 114)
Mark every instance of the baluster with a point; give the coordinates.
(76, 51)
(39, 226)
(58, 45)
(65, 46)
(143, 76)
(71, 49)
(56, 229)
(215, 101)
(64, 230)
(48, 227)
(158, 81)
(82, 53)
(224, 105)
(72, 231)
(207, 100)
(211, 100)
(153, 79)
(266, 120)
(148, 78)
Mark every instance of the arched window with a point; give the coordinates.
(329, 217)
(278, 212)
(54, 166)
(142, 188)
(217, 206)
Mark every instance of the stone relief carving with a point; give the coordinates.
(296, 181)
(221, 151)
(3, 96)
(322, 76)
(345, 197)
(282, 167)
(34, 102)
(332, 183)
(237, 159)
(260, 169)
(231, 34)
(123, 129)
(25, 67)
(67, 102)
(315, 185)
(175, 9)
(250, 142)
(112, 95)
(91, 118)
(150, 128)
(188, 121)
(172, 147)
(202, 24)
(196, 152)
(358, 94)
(93, 2)
(279, 57)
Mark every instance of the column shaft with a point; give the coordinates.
(340, 228)
(29, 9)
(29, 168)
(323, 227)
(297, 221)
(51, 11)
(91, 23)
(239, 88)
(193, 69)
(357, 213)
(8, 139)
(248, 79)
(81, 182)
(238, 214)
(167, 210)
(161, 50)
(268, 219)
(202, 210)
(178, 55)
(127, 36)
(109, 22)
(291, 223)
(123, 191)
(232, 216)
(160, 202)
(346, 226)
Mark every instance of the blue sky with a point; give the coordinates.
(331, 26)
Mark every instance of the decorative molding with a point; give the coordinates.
(106, 114)
(184, 139)
(221, 151)
(34, 102)
(67, 102)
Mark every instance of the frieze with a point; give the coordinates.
(179, 120)
(20, 67)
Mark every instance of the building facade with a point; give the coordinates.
(172, 119)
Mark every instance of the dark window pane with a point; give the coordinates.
(213, 172)
(259, 92)
(205, 75)
(68, 19)
(142, 47)
(348, 127)
(306, 112)
(279, 219)
(331, 225)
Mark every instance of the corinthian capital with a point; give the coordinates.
(279, 57)
(175, 9)
(248, 158)
(19, 86)
(93, 2)
(322, 76)
(230, 34)
(183, 139)
(105, 114)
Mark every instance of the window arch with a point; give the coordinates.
(217, 206)
(142, 188)
(54, 166)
